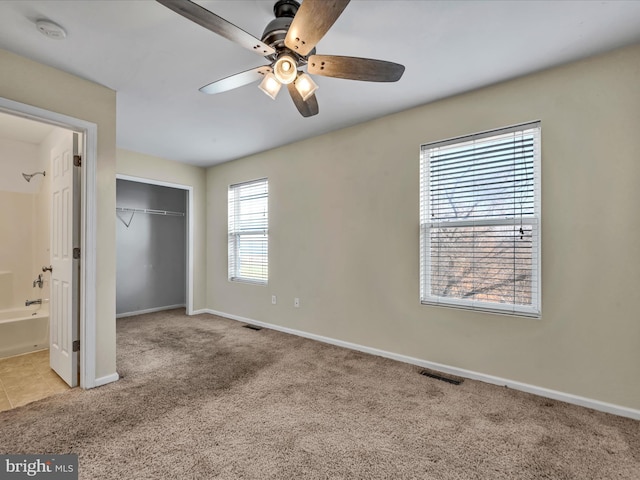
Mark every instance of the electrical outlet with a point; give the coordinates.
(273, 299)
(296, 302)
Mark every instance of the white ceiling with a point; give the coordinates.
(156, 60)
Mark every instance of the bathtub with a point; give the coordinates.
(23, 330)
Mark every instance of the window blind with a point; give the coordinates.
(479, 215)
(249, 231)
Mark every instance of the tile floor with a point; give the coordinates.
(27, 378)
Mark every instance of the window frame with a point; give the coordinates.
(534, 221)
(234, 235)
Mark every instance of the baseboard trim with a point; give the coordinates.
(200, 311)
(524, 387)
(114, 377)
(150, 310)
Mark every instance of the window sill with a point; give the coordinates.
(497, 309)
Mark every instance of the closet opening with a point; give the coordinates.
(153, 244)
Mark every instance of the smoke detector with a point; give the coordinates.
(50, 29)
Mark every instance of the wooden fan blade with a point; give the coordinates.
(237, 80)
(216, 24)
(313, 20)
(307, 108)
(354, 68)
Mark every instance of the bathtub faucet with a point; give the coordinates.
(32, 302)
(38, 281)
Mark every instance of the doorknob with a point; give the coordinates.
(47, 269)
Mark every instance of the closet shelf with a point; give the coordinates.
(149, 211)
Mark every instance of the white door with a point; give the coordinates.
(63, 315)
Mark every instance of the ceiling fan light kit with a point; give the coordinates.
(288, 43)
(305, 86)
(270, 85)
(285, 69)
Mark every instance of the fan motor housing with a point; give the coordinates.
(286, 8)
(276, 31)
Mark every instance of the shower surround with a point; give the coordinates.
(24, 246)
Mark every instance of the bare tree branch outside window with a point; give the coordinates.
(480, 220)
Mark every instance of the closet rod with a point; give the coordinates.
(150, 211)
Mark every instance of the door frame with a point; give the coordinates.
(189, 242)
(88, 225)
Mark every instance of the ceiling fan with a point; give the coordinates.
(288, 43)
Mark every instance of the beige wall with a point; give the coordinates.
(17, 157)
(18, 221)
(154, 168)
(344, 234)
(17, 247)
(28, 82)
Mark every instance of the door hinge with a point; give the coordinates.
(76, 345)
(77, 161)
(76, 253)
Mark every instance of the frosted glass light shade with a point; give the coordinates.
(285, 69)
(305, 86)
(270, 85)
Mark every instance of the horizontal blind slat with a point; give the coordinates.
(522, 157)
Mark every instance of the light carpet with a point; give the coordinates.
(202, 397)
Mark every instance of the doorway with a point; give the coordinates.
(154, 235)
(27, 372)
(87, 133)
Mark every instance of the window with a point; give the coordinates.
(248, 231)
(480, 221)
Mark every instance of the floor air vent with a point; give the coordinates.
(441, 376)
(252, 327)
